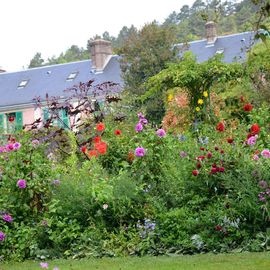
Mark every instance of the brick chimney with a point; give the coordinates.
(211, 32)
(100, 51)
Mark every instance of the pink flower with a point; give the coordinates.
(21, 183)
(139, 127)
(44, 265)
(105, 206)
(16, 145)
(161, 132)
(139, 151)
(7, 218)
(252, 140)
(265, 153)
(255, 157)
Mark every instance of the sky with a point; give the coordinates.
(52, 26)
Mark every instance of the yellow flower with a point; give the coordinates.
(170, 97)
(197, 109)
(200, 101)
(205, 94)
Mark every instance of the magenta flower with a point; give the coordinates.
(252, 140)
(2, 236)
(161, 132)
(7, 218)
(21, 183)
(140, 152)
(44, 265)
(255, 157)
(9, 147)
(265, 153)
(16, 145)
(139, 127)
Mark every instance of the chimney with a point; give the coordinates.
(211, 32)
(100, 51)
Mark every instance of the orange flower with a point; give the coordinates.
(93, 153)
(100, 127)
(101, 147)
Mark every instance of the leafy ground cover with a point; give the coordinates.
(243, 261)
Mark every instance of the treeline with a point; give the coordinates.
(187, 24)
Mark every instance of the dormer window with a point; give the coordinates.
(22, 84)
(72, 76)
(220, 51)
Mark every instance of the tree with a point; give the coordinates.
(36, 61)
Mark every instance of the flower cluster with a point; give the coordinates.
(200, 101)
(10, 147)
(142, 122)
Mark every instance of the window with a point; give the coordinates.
(60, 119)
(72, 76)
(22, 84)
(220, 51)
(11, 122)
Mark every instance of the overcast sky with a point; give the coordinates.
(52, 26)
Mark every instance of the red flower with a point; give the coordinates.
(97, 139)
(221, 169)
(214, 170)
(202, 148)
(220, 127)
(198, 165)
(83, 149)
(93, 153)
(209, 155)
(195, 172)
(214, 165)
(248, 107)
(101, 147)
(221, 151)
(201, 158)
(218, 228)
(216, 148)
(100, 127)
(230, 140)
(255, 129)
(118, 132)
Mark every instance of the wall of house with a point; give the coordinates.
(28, 116)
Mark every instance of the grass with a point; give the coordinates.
(239, 261)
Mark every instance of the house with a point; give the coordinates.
(18, 89)
(233, 47)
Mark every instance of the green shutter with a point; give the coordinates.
(46, 114)
(65, 119)
(19, 120)
(1, 122)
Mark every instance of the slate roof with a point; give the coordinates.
(52, 80)
(234, 47)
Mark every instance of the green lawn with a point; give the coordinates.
(243, 261)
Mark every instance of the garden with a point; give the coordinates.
(126, 180)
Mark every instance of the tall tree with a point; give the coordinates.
(36, 61)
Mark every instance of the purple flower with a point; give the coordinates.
(17, 145)
(144, 121)
(2, 149)
(7, 218)
(161, 132)
(140, 115)
(183, 154)
(255, 157)
(265, 153)
(139, 127)
(140, 152)
(21, 183)
(2, 236)
(35, 142)
(263, 184)
(252, 140)
(56, 182)
(44, 265)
